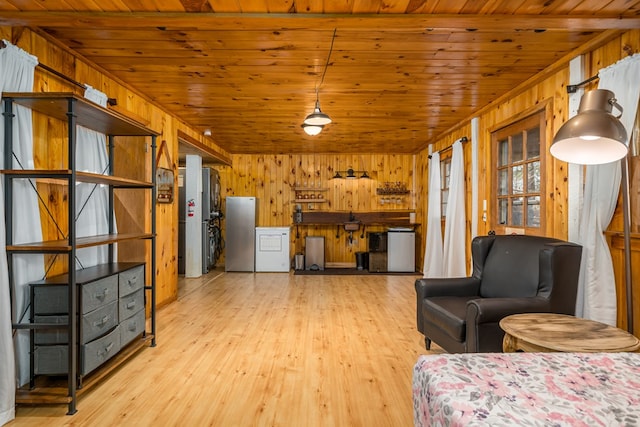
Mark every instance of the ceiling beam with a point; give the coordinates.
(273, 21)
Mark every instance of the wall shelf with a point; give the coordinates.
(310, 200)
(309, 189)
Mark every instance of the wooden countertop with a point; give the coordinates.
(390, 218)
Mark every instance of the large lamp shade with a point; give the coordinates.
(594, 135)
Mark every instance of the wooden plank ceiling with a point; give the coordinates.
(400, 74)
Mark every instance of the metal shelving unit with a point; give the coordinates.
(76, 110)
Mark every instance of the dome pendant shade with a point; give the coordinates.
(317, 118)
(312, 130)
(594, 135)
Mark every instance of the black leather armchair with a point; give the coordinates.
(511, 274)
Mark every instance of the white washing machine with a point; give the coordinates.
(272, 249)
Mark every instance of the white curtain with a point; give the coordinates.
(92, 201)
(596, 287)
(433, 245)
(454, 256)
(16, 75)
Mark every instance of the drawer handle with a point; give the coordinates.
(102, 321)
(132, 326)
(131, 305)
(132, 281)
(103, 295)
(107, 349)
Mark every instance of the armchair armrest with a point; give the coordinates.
(492, 310)
(483, 333)
(458, 286)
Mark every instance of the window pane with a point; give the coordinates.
(517, 211)
(503, 152)
(517, 180)
(503, 211)
(533, 177)
(502, 182)
(533, 211)
(533, 143)
(516, 148)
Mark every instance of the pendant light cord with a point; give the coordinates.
(327, 63)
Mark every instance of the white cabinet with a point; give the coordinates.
(272, 249)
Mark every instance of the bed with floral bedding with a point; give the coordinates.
(527, 389)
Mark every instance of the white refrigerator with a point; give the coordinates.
(401, 249)
(240, 224)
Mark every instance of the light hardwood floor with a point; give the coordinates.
(266, 349)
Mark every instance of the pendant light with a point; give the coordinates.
(317, 119)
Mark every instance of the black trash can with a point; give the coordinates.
(362, 260)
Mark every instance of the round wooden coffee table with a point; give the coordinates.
(547, 332)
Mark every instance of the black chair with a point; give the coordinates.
(511, 274)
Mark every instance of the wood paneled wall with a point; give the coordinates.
(272, 180)
(50, 151)
(550, 95)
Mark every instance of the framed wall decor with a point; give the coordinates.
(164, 176)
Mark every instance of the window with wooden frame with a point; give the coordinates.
(518, 181)
(445, 176)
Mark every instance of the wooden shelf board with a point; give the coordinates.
(89, 274)
(309, 189)
(88, 114)
(86, 177)
(54, 390)
(81, 242)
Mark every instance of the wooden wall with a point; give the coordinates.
(272, 178)
(550, 95)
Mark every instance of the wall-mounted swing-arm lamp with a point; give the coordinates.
(595, 136)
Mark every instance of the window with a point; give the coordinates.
(518, 184)
(445, 175)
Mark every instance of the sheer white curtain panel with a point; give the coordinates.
(92, 203)
(454, 255)
(433, 245)
(17, 75)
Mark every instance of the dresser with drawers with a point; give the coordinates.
(111, 314)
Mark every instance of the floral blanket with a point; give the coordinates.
(527, 389)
